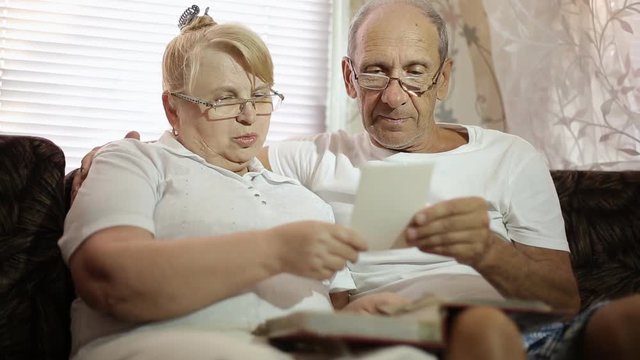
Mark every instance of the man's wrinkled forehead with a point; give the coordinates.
(397, 29)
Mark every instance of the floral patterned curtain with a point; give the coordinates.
(569, 73)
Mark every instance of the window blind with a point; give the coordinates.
(84, 72)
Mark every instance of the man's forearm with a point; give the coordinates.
(528, 272)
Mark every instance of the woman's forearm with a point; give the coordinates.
(123, 271)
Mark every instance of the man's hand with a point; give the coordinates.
(315, 249)
(371, 304)
(85, 164)
(458, 228)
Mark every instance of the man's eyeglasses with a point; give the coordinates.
(413, 84)
(230, 108)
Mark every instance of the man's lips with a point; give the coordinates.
(392, 120)
(245, 140)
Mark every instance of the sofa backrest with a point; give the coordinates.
(601, 210)
(35, 286)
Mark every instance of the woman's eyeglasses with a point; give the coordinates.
(229, 108)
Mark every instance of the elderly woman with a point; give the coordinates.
(191, 232)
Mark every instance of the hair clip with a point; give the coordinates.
(188, 16)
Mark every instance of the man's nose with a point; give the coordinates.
(394, 95)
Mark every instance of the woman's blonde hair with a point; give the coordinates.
(180, 61)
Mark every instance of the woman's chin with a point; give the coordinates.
(243, 155)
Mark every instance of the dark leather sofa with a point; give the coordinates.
(35, 287)
(601, 212)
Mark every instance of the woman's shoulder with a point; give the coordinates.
(132, 151)
(125, 145)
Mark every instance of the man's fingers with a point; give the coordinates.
(75, 184)
(449, 207)
(85, 164)
(463, 253)
(453, 251)
(132, 135)
(468, 221)
(452, 239)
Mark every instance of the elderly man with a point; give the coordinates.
(496, 215)
(495, 226)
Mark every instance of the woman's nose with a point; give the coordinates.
(247, 114)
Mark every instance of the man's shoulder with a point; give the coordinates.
(339, 136)
(491, 137)
(335, 141)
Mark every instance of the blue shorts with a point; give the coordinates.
(560, 340)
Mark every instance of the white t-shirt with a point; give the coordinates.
(172, 193)
(503, 169)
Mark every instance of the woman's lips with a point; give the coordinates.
(245, 140)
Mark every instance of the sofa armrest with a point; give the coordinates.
(602, 220)
(35, 285)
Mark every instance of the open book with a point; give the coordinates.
(422, 323)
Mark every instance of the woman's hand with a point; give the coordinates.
(315, 249)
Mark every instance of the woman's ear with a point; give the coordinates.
(349, 78)
(170, 111)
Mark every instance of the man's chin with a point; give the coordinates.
(397, 142)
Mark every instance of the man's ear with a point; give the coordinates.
(443, 81)
(349, 79)
(170, 111)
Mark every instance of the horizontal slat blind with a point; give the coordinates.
(83, 72)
